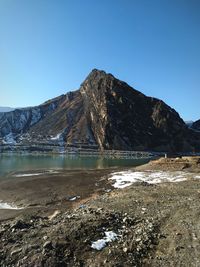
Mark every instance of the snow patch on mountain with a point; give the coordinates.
(9, 139)
(57, 137)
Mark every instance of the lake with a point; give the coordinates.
(24, 162)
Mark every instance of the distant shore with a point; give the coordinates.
(56, 149)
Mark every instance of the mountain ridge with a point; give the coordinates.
(196, 125)
(104, 112)
(6, 109)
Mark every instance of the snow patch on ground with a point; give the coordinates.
(27, 174)
(127, 178)
(35, 174)
(6, 206)
(101, 243)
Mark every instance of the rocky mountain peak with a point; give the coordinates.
(97, 79)
(95, 73)
(105, 112)
(100, 82)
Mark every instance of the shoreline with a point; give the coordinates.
(41, 189)
(143, 224)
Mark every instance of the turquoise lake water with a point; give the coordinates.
(18, 162)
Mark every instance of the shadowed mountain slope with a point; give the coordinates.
(196, 125)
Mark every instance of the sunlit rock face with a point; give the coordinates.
(105, 112)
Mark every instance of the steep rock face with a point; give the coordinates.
(105, 112)
(123, 118)
(196, 125)
(67, 120)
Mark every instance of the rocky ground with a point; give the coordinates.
(154, 225)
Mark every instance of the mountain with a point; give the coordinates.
(196, 125)
(105, 112)
(189, 123)
(6, 109)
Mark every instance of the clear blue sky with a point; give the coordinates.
(47, 47)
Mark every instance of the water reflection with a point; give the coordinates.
(19, 162)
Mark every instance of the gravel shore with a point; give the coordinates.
(148, 225)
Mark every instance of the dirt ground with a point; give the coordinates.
(48, 191)
(155, 225)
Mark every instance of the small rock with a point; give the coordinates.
(125, 250)
(82, 206)
(178, 233)
(16, 251)
(47, 245)
(20, 225)
(52, 216)
(45, 237)
(108, 190)
(125, 219)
